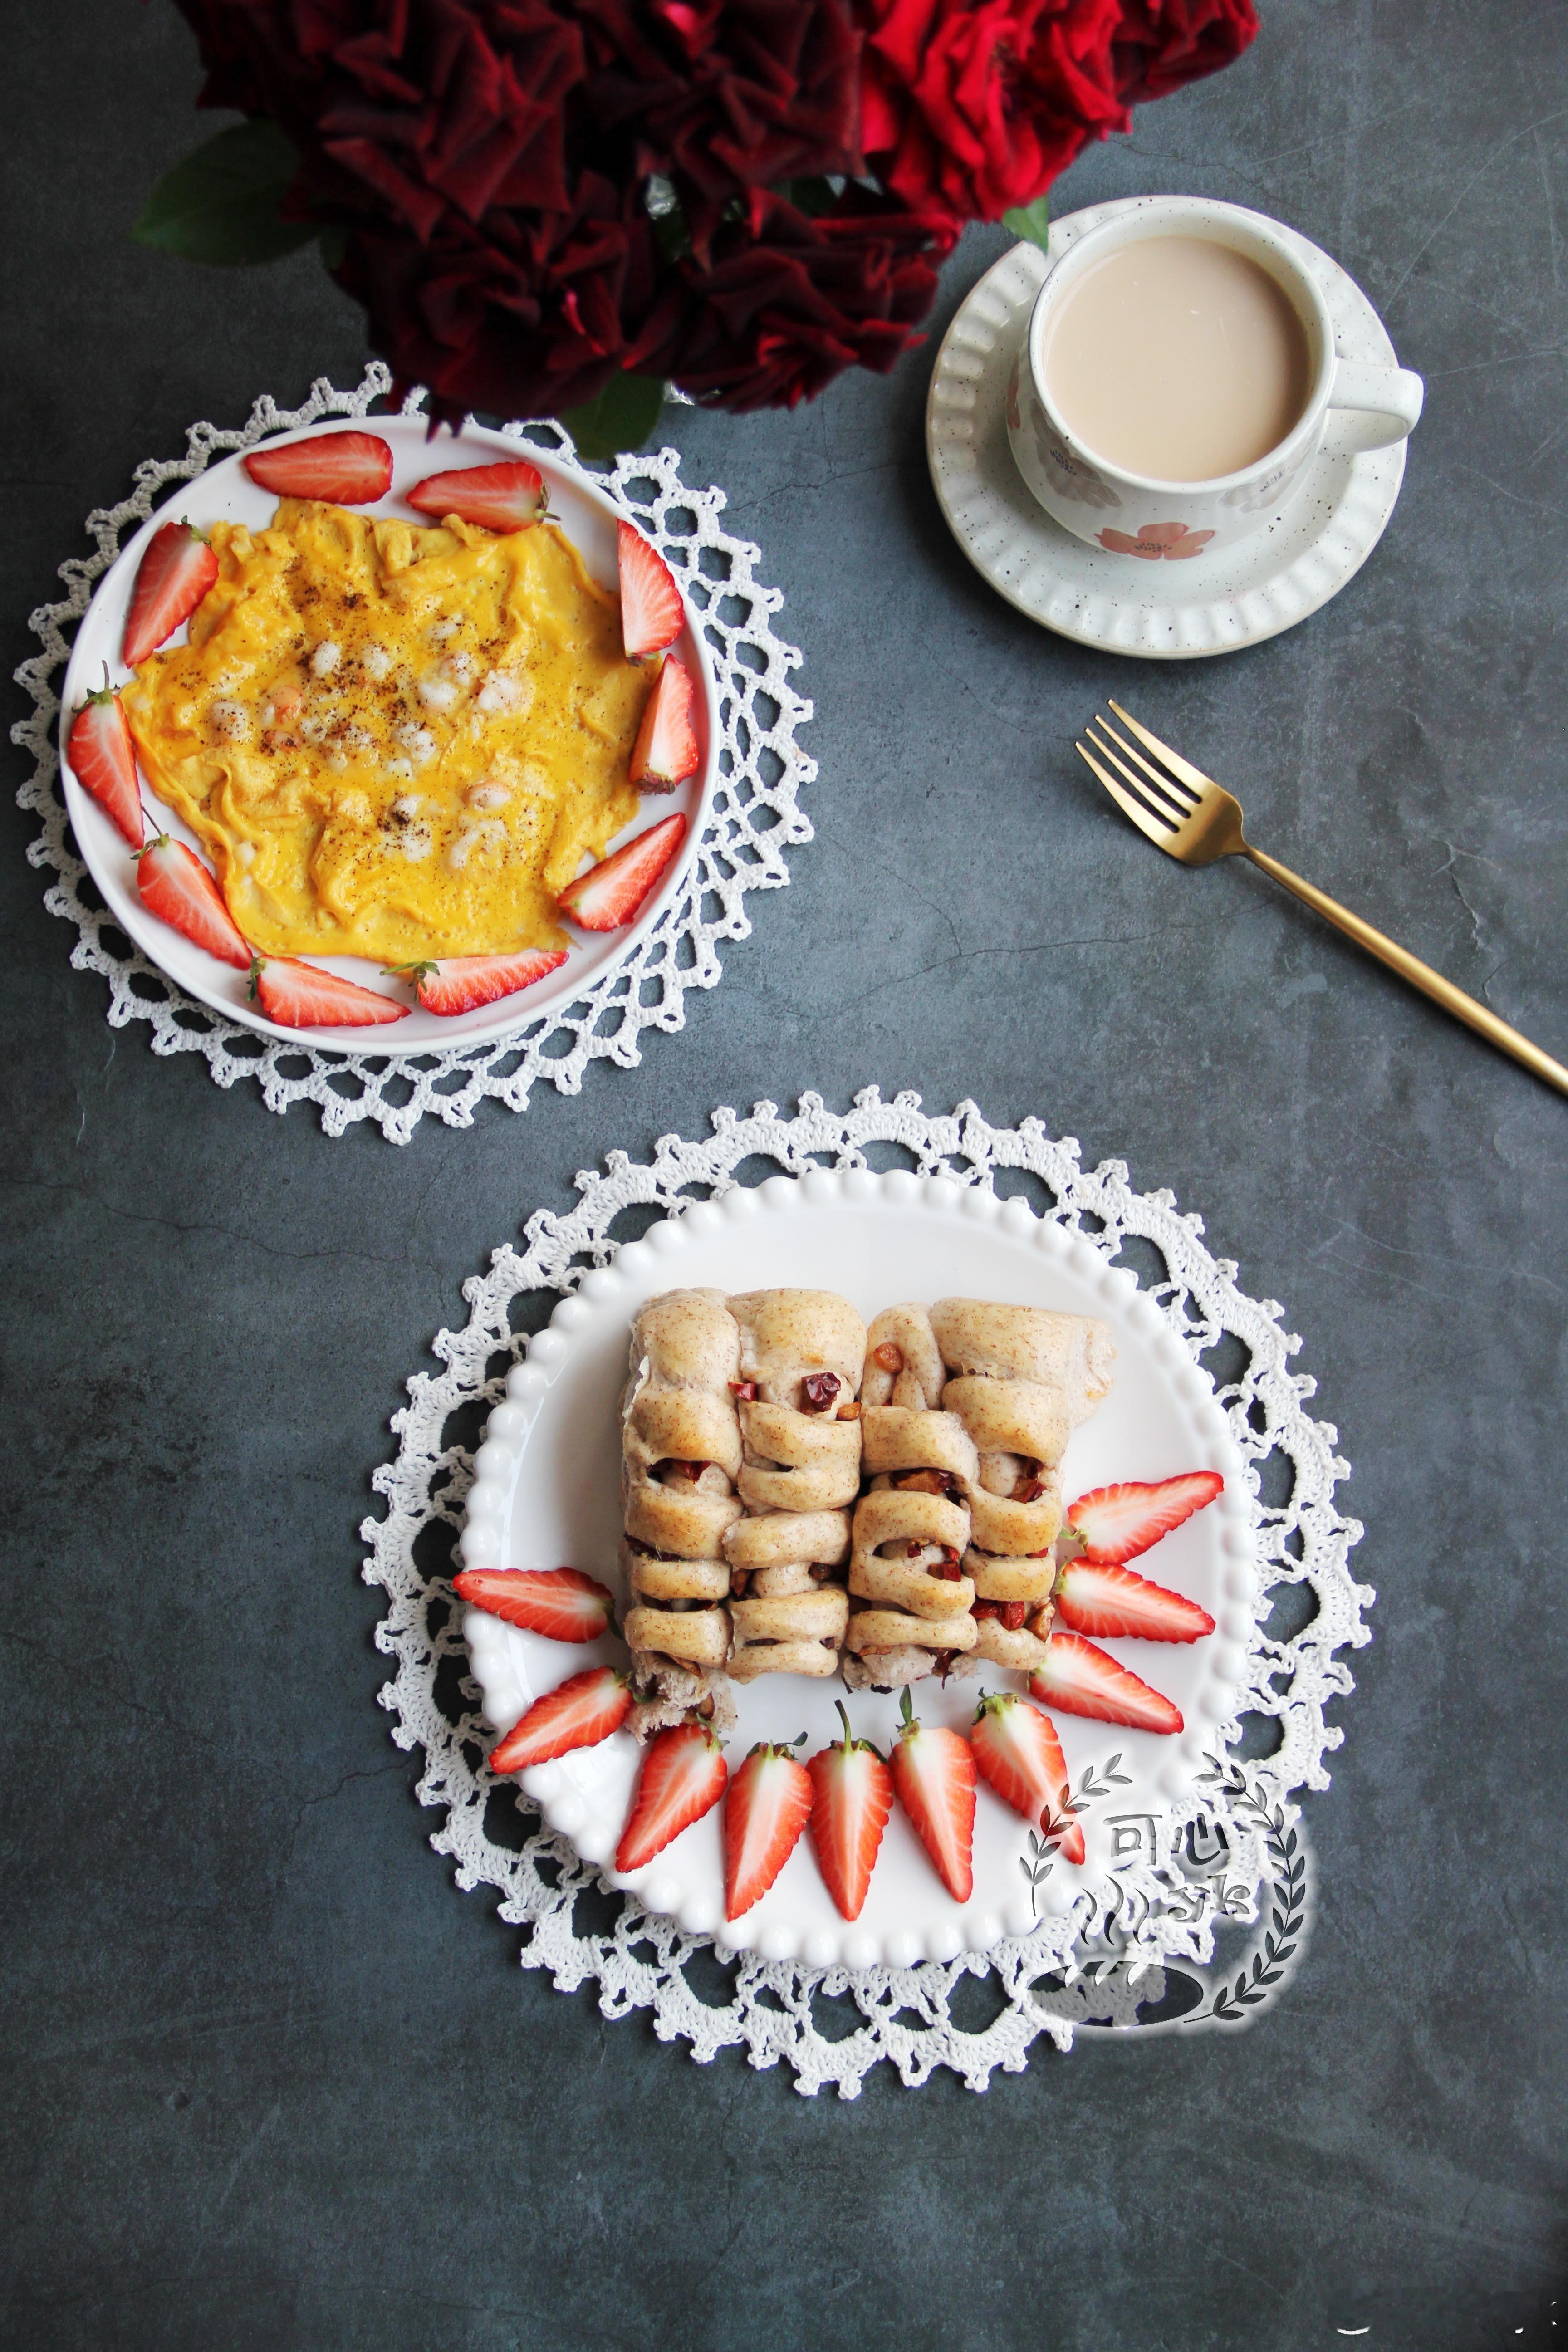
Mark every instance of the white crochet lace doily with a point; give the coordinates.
(756, 816)
(1150, 1949)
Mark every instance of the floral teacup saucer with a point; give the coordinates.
(1120, 594)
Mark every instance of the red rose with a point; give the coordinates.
(723, 95)
(1161, 44)
(523, 316)
(978, 108)
(487, 166)
(488, 162)
(785, 303)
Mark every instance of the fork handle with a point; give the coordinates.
(1419, 975)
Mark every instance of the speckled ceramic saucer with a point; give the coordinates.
(1127, 604)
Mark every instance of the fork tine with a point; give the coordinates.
(1169, 799)
(1176, 794)
(1155, 829)
(1193, 777)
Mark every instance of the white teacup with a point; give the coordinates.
(1348, 407)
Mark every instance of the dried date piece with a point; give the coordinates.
(924, 1482)
(1029, 1486)
(679, 1474)
(1010, 1615)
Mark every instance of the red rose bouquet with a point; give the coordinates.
(549, 206)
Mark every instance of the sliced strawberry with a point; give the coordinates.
(578, 1713)
(665, 752)
(1112, 1602)
(99, 749)
(508, 495)
(683, 1775)
(1019, 1754)
(610, 893)
(462, 984)
(652, 614)
(1116, 1523)
(303, 996)
(764, 1812)
(851, 1797)
(175, 573)
(933, 1772)
(177, 887)
(343, 469)
(562, 1604)
(1081, 1679)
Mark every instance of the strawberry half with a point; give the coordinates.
(652, 614)
(578, 1713)
(343, 469)
(303, 996)
(683, 1775)
(767, 1807)
(1114, 1601)
(462, 984)
(175, 573)
(562, 1604)
(1081, 1679)
(1116, 1523)
(665, 752)
(99, 749)
(177, 887)
(1017, 1753)
(611, 893)
(851, 1797)
(933, 1772)
(508, 495)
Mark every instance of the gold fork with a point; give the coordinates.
(1192, 818)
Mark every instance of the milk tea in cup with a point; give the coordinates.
(1178, 359)
(1179, 376)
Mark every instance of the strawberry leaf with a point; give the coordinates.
(223, 205)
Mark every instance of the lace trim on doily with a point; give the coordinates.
(1105, 1961)
(755, 818)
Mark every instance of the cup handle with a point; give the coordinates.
(1377, 405)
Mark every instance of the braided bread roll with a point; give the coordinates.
(911, 1525)
(680, 1456)
(1020, 1379)
(802, 1352)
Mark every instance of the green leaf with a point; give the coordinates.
(1031, 221)
(222, 203)
(664, 209)
(812, 197)
(622, 417)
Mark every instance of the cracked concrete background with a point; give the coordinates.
(272, 2081)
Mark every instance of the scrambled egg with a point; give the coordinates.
(393, 741)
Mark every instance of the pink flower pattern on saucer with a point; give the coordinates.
(1172, 539)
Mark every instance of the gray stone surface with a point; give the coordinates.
(271, 2082)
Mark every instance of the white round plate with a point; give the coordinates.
(546, 1495)
(225, 492)
(1206, 604)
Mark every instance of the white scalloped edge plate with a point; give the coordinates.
(225, 492)
(547, 1493)
(1288, 568)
